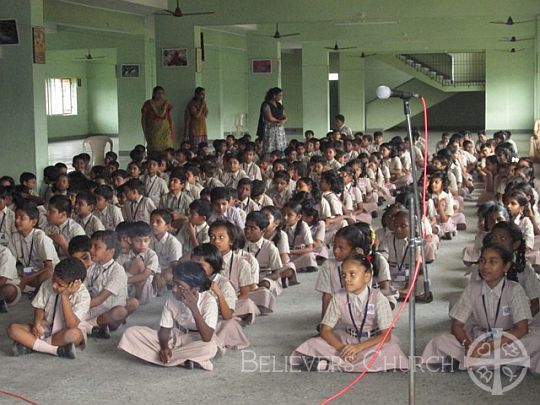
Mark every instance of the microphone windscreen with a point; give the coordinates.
(384, 92)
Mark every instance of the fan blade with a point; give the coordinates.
(200, 13)
(290, 35)
(522, 22)
(348, 47)
(164, 12)
(330, 48)
(498, 22)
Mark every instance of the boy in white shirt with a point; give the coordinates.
(84, 205)
(194, 232)
(61, 227)
(155, 187)
(10, 292)
(137, 207)
(7, 218)
(222, 209)
(109, 214)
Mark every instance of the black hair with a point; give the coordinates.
(234, 233)
(109, 238)
(259, 218)
(135, 185)
(30, 209)
(246, 181)
(26, 176)
(300, 168)
(352, 235)
(210, 254)
(309, 210)
(137, 156)
(297, 208)
(139, 229)
(315, 190)
(104, 191)
(61, 203)
(334, 180)
(257, 188)
(506, 254)
(521, 199)
(517, 236)
(340, 117)
(51, 173)
(360, 259)
(123, 228)
(278, 216)
(282, 175)
(80, 243)
(70, 269)
(270, 94)
(88, 197)
(193, 274)
(444, 181)
(164, 214)
(180, 174)
(219, 193)
(201, 207)
(120, 173)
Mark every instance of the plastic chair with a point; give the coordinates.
(97, 145)
(240, 123)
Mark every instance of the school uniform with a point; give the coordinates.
(151, 262)
(33, 250)
(168, 249)
(139, 210)
(48, 300)
(232, 215)
(329, 278)
(230, 179)
(177, 202)
(318, 231)
(333, 164)
(248, 205)
(279, 199)
(185, 341)
(194, 190)
(7, 225)
(236, 269)
(229, 332)
(110, 216)
(43, 223)
(252, 171)
(351, 155)
(112, 277)
(8, 270)
(68, 230)
(262, 297)
(477, 310)
(267, 255)
(442, 227)
(262, 201)
(90, 224)
(213, 182)
(360, 317)
(154, 187)
(201, 234)
(398, 253)
(336, 209)
(300, 236)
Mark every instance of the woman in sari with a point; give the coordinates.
(195, 118)
(272, 118)
(157, 121)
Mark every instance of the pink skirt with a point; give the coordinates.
(264, 299)
(229, 334)
(459, 218)
(143, 342)
(431, 248)
(470, 254)
(245, 307)
(445, 227)
(147, 294)
(391, 357)
(322, 251)
(304, 260)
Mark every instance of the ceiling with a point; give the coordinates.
(371, 25)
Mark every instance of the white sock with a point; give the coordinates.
(44, 347)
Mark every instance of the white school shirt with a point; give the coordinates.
(318, 231)
(213, 182)
(69, 230)
(232, 215)
(406, 164)
(176, 313)
(110, 276)
(43, 223)
(8, 265)
(110, 216)
(149, 259)
(283, 244)
(299, 238)
(526, 279)
(266, 253)
(201, 234)
(46, 297)
(329, 272)
(90, 224)
(358, 303)
(34, 249)
(139, 210)
(526, 227)
(237, 270)
(231, 179)
(178, 202)
(434, 201)
(7, 225)
(262, 201)
(336, 206)
(253, 264)
(252, 170)
(154, 187)
(227, 290)
(324, 209)
(248, 205)
(279, 198)
(168, 249)
(194, 190)
(333, 164)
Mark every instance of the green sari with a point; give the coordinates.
(157, 126)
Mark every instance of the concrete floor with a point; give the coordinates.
(103, 374)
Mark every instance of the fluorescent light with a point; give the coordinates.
(333, 76)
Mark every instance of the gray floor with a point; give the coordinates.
(103, 374)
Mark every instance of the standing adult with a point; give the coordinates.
(272, 118)
(156, 121)
(195, 130)
(534, 149)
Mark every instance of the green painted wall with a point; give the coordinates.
(315, 94)
(291, 82)
(510, 88)
(103, 95)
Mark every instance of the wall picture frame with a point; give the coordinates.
(130, 71)
(38, 38)
(9, 33)
(261, 66)
(174, 57)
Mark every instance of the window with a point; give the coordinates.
(333, 77)
(61, 95)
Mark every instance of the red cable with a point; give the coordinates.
(9, 394)
(409, 292)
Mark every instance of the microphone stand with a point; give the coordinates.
(415, 242)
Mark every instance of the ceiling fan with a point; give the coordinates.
(363, 55)
(89, 57)
(279, 35)
(510, 21)
(177, 12)
(337, 48)
(514, 39)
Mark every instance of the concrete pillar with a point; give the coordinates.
(352, 102)
(260, 83)
(315, 94)
(22, 96)
(537, 70)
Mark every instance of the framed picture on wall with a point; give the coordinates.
(263, 66)
(38, 36)
(198, 60)
(130, 71)
(9, 35)
(174, 57)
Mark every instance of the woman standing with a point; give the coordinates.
(195, 118)
(156, 121)
(271, 122)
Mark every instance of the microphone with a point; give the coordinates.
(384, 92)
